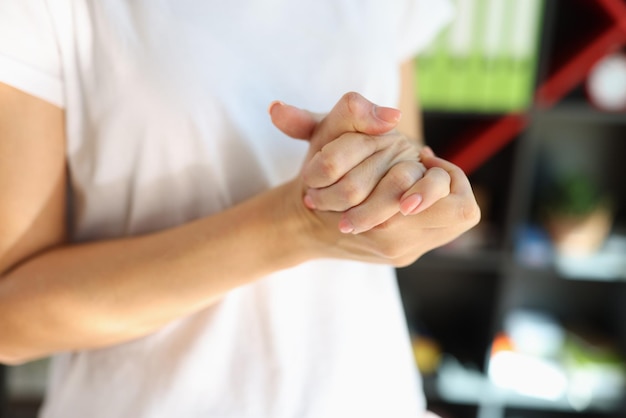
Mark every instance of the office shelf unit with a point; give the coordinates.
(462, 294)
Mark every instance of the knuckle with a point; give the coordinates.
(439, 180)
(353, 102)
(402, 177)
(328, 165)
(470, 213)
(474, 215)
(440, 173)
(349, 193)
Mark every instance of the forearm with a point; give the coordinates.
(102, 293)
(73, 297)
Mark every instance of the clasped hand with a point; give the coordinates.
(366, 179)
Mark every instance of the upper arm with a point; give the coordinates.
(411, 122)
(32, 176)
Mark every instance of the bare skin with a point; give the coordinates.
(56, 296)
(368, 170)
(371, 169)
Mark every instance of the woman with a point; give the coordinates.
(179, 255)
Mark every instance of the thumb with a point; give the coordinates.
(292, 121)
(354, 113)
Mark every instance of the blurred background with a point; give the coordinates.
(524, 316)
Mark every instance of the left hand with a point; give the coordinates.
(359, 165)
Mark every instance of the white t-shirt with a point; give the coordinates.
(166, 122)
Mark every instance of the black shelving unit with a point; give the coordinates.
(3, 393)
(461, 297)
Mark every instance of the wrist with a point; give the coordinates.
(295, 226)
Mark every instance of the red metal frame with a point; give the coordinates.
(616, 9)
(575, 71)
(483, 146)
(469, 155)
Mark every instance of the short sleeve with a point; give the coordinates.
(420, 22)
(29, 53)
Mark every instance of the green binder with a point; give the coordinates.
(484, 61)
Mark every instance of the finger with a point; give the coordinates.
(354, 113)
(382, 203)
(435, 185)
(427, 151)
(459, 207)
(459, 183)
(338, 157)
(352, 188)
(293, 121)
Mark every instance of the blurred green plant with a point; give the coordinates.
(574, 195)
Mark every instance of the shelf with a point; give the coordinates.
(608, 265)
(454, 295)
(579, 111)
(535, 255)
(456, 384)
(489, 261)
(554, 274)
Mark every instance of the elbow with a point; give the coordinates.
(11, 360)
(12, 354)
(15, 355)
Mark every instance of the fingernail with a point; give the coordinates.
(274, 103)
(387, 114)
(410, 205)
(346, 226)
(308, 202)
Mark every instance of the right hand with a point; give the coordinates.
(401, 239)
(397, 239)
(357, 162)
